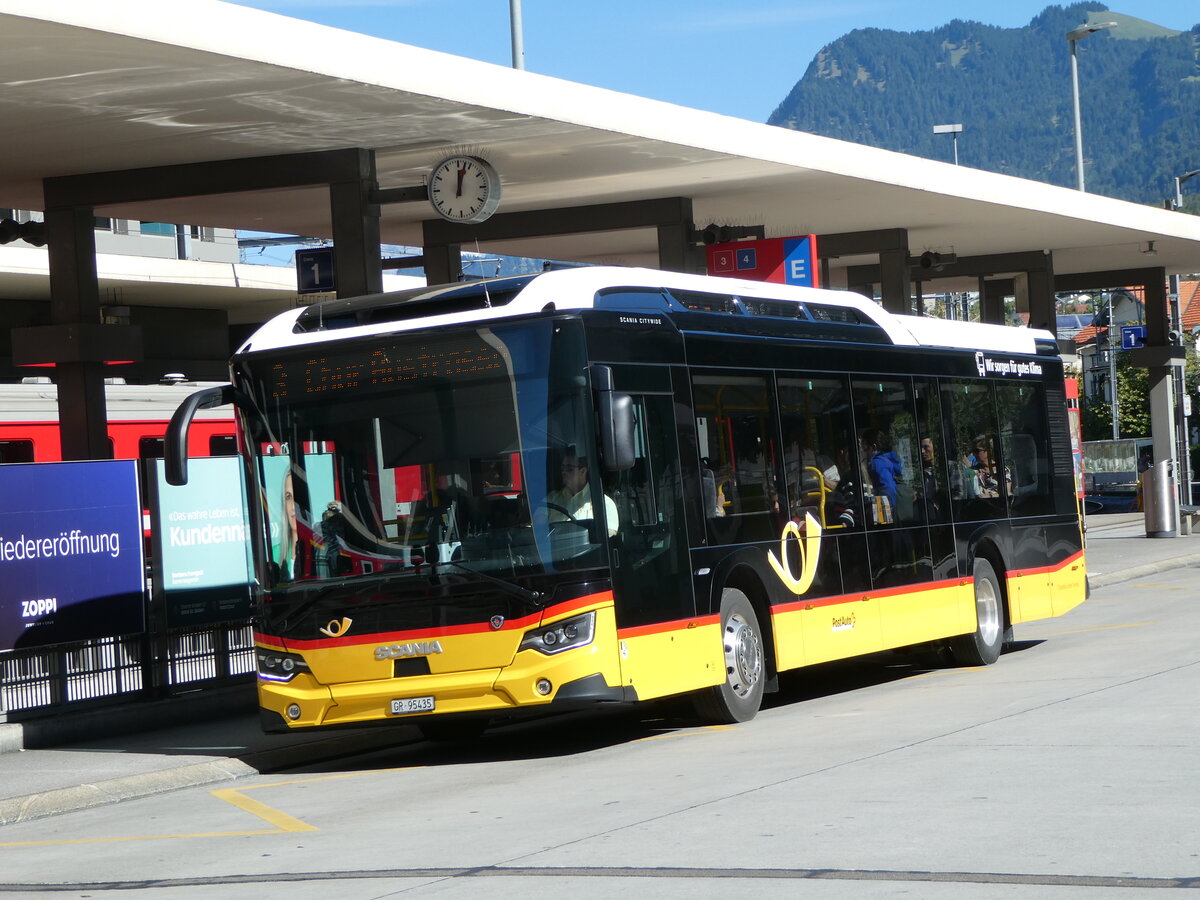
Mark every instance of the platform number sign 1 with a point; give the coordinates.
(315, 272)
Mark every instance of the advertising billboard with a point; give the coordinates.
(203, 564)
(71, 563)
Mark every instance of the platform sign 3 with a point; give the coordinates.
(790, 260)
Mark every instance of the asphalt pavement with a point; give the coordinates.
(57, 767)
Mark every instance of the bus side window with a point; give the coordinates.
(819, 463)
(736, 442)
(977, 477)
(222, 445)
(888, 444)
(931, 486)
(1025, 448)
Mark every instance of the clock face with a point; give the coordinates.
(464, 189)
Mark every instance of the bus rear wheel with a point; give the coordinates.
(739, 696)
(983, 647)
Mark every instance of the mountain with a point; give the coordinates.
(1011, 90)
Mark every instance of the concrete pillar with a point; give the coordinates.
(355, 220)
(74, 301)
(675, 250)
(443, 263)
(893, 281)
(992, 292)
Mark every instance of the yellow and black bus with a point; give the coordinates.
(609, 485)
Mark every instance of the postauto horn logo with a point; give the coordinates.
(809, 544)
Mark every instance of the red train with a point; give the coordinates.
(137, 419)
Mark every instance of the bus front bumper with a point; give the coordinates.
(579, 677)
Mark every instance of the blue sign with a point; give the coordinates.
(798, 261)
(202, 540)
(747, 259)
(1132, 336)
(71, 564)
(315, 272)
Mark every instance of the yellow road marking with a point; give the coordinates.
(284, 824)
(282, 821)
(683, 734)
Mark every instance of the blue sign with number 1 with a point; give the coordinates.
(1132, 336)
(315, 272)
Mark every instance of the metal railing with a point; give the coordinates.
(45, 680)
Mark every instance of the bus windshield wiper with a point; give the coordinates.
(523, 592)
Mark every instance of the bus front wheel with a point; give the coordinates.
(983, 647)
(739, 696)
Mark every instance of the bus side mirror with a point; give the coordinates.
(615, 412)
(175, 452)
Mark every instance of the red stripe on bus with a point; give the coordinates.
(1045, 570)
(663, 627)
(522, 623)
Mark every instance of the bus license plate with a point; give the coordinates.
(412, 705)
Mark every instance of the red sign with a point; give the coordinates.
(791, 260)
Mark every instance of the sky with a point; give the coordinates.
(736, 57)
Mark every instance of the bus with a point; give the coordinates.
(613, 485)
(1112, 473)
(137, 421)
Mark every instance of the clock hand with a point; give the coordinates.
(462, 171)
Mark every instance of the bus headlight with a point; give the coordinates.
(274, 665)
(565, 635)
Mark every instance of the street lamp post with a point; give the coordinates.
(518, 34)
(1073, 37)
(1179, 180)
(1112, 373)
(954, 131)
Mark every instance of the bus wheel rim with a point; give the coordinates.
(743, 655)
(987, 609)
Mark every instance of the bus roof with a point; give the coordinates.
(578, 288)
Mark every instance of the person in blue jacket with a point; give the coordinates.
(885, 469)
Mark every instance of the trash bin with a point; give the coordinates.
(1159, 502)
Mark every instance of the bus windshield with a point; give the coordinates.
(425, 454)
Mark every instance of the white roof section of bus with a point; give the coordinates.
(97, 86)
(930, 332)
(567, 289)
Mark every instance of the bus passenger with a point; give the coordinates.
(928, 489)
(885, 469)
(984, 479)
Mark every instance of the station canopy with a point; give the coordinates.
(93, 87)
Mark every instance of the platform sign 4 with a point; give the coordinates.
(790, 260)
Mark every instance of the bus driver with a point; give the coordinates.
(575, 497)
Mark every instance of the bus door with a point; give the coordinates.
(652, 584)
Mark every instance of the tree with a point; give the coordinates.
(1133, 399)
